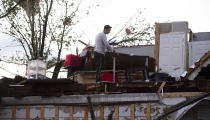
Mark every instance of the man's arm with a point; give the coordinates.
(106, 44)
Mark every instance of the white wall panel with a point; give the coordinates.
(172, 52)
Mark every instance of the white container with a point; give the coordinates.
(36, 69)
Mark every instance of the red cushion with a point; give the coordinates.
(72, 61)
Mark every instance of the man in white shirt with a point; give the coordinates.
(101, 45)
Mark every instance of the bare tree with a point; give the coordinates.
(12, 8)
(43, 28)
(136, 31)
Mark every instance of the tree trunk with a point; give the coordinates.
(57, 68)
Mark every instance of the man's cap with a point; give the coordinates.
(107, 26)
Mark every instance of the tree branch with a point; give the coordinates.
(11, 9)
(45, 29)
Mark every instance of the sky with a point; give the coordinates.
(117, 12)
(195, 12)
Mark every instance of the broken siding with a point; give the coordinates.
(137, 111)
(199, 46)
(144, 106)
(193, 72)
(197, 50)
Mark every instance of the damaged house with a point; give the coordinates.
(168, 80)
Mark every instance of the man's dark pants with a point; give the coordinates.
(99, 60)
